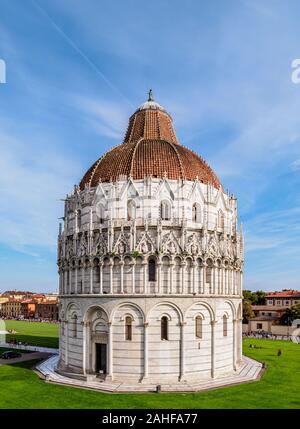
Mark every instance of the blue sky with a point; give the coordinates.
(77, 69)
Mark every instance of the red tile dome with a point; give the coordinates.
(150, 148)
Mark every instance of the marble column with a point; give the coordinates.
(65, 282)
(76, 280)
(91, 277)
(241, 283)
(234, 338)
(111, 264)
(194, 277)
(61, 282)
(159, 276)
(182, 351)
(183, 285)
(101, 277)
(83, 279)
(66, 329)
(214, 280)
(146, 360)
(239, 341)
(213, 357)
(204, 278)
(84, 346)
(145, 283)
(223, 281)
(171, 282)
(122, 275)
(110, 353)
(133, 277)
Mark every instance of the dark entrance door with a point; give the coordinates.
(101, 358)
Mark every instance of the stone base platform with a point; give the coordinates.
(250, 370)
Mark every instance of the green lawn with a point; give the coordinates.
(34, 333)
(279, 387)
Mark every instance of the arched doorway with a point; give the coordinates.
(96, 341)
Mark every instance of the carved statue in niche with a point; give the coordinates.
(69, 249)
(144, 248)
(82, 250)
(121, 248)
(213, 245)
(193, 245)
(145, 244)
(194, 249)
(121, 245)
(170, 244)
(172, 248)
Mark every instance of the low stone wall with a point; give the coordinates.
(272, 329)
(29, 348)
(281, 330)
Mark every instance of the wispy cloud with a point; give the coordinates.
(295, 165)
(105, 118)
(31, 183)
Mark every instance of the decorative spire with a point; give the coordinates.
(150, 95)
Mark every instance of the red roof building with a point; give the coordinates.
(285, 298)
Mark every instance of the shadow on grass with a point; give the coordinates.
(28, 364)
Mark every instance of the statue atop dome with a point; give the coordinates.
(150, 95)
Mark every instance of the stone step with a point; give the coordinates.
(248, 372)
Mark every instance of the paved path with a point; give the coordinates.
(25, 357)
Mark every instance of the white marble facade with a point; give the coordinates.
(150, 281)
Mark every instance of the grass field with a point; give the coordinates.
(34, 333)
(278, 388)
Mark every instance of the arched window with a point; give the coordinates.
(74, 325)
(220, 219)
(208, 271)
(101, 213)
(164, 328)
(78, 219)
(151, 270)
(224, 325)
(131, 210)
(128, 328)
(165, 210)
(198, 326)
(196, 213)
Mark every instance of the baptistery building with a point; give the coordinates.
(150, 264)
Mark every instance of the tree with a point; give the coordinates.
(247, 311)
(256, 298)
(260, 297)
(290, 314)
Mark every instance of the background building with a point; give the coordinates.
(47, 310)
(29, 305)
(267, 317)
